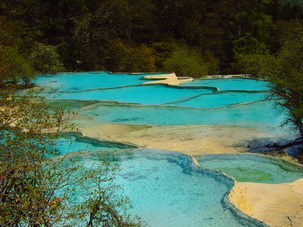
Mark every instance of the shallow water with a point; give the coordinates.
(88, 80)
(253, 168)
(178, 193)
(146, 94)
(73, 142)
(90, 86)
(260, 115)
(165, 187)
(221, 99)
(231, 84)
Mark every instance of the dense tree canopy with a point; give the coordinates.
(145, 35)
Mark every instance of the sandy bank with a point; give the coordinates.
(188, 139)
(274, 204)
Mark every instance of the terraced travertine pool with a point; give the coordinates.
(231, 84)
(142, 105)
(165, 187)
(89, 81)
(73, 142)
(253, 168)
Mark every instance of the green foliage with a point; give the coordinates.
(45, 59)
(144, 21)
(26, 190)
(14, 66)
(187, 62)
(11, 32)
(124, 57)
(285, 73)
(163, 51)
(87, 35)
(34, 189)
(252, 63)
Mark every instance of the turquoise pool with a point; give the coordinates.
(178, 192)
(145, 94)
(239, 102)
(89, 80)
(231, 84)
(220, 99)
(253, 168)
(124, 88)
(246, 115)
(165, 187)
(73, 142)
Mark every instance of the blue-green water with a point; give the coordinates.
(253, 168)
(73, 142)
(231, 84)
(147, 94)
(167, 189)
(196, 105)
(259, 115)
(221, 99)
(88, 80)
(75, 86)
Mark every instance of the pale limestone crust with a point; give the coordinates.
(275, 204)
(189, 139)
(237, 197)
(170, 79)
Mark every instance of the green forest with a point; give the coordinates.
(189, 37)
